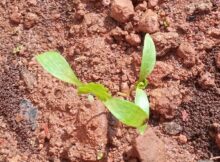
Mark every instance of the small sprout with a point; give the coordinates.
(148, 59)
(129, 113)
(17, 49)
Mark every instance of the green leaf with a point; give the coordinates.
(55, 64)
(141, 100)
(95, 89)
(148, 58)
(127, 112)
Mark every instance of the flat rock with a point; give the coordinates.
(30, 20)
(122, 10)
(206, 80)
(187, 53)
(148, 22)
(133, 39)
(149, 148)
(165, 42)
(152, 3)
(172, 128)
(160, 71)
(165, 101)
(217, 140)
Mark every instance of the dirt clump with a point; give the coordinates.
(149, 147)
(133, 39)
(148, 22)
(122, 10)
(207, 80)
(160, 71)
(165, 101)
(165, 42)
(152, 3)
(187, 53)
(30, 20)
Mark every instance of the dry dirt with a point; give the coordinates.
(43, 119)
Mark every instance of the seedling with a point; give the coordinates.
(131, 114)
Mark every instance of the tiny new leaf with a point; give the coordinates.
(141, 100)
(148, 58)
(95, 89)
(55, 64)
(127, 112)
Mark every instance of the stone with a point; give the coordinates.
(187, 53)
(182, 139)
(30, 20)
(122, 10)
(172, 128)
(29, 78)
(214, 32)
(217, 140)
(206, 80)
(203, 6)
(32, 2)
(15, 17)
(148, 22)
(217, 60)
(149, 148)
(165, 42)
(165, 101)
(152, 3)
(133, 39)
(160, 71)
(106, 2)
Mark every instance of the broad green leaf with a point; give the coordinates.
(55, 64)
(148, 58)
(95, 89)
(141, 100)
(127, 112)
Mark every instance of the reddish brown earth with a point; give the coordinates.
(43, 119)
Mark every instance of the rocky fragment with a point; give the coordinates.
(32, 2)
(30, 20)
(217, 60)
(29, 79)
(148, 22)
(165, 42)
(122, 10)
(118, 34)
(165, 100)
(172, 128)
(182, 139)
(206, 80)
(152, 3)
(106, 2)
(214, 32)
(149, 148)
(15, 17)
(203, 6)
(160, 71)
(133, 39)
(187, 53)
(141, 6)
(217, 140)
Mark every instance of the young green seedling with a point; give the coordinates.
(131, 114)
